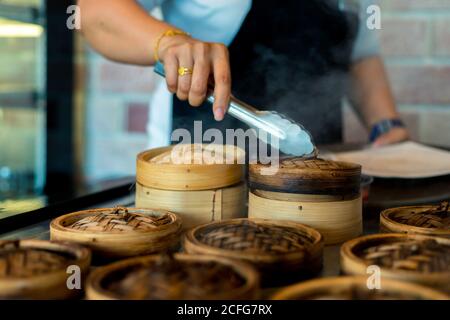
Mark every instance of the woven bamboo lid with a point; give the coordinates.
(119, 232)
(355, 288)
(307, 176)
(257, 239)
(37, 269)
(427, 220)
(27, 258)
(179, 277)
(414, 258)
(282, 251)
(115, 220)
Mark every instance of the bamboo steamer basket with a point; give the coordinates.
(39, 270)
(320, 193)
(190, 177)
(282, 251)
(196, 207)
(199, 193)
(134, 232)
(431, 220)
(355, 288)
(97, 288)
(400, 257)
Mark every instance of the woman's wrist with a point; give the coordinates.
(384, 126)
(165, 40)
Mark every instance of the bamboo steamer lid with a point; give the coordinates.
(433, 220)
(38, 269)
(307, 176)
(413, 258)
(136, 275)
(355, 288)
(162, 174)
(283, 251)
(118, 232)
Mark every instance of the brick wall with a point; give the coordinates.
(415, 43)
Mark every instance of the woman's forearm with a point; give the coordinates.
(372, 97)
(121, 30)
(370, 93)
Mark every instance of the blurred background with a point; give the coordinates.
(70, 117)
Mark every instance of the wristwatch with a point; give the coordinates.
(384, 126)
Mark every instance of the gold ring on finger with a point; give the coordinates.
(182, 71)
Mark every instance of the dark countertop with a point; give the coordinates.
(41, 230)
(24, 212)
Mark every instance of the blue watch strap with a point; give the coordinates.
(383, 127)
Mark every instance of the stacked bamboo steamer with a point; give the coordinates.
(202, 189)
(320, 193)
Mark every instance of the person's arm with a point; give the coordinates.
(123, 31)
(372, 97)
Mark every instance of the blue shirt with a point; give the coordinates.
(206, 20)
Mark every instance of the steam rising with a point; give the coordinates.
(297, 141)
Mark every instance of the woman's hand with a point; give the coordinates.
(205, 59)
(395, 135)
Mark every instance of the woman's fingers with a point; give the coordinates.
(171, 70)
(199, 84)
(186, 61)
(202, 59)
(222, 80)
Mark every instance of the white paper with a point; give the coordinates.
(403, 160)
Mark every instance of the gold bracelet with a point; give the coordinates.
(167, 33)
